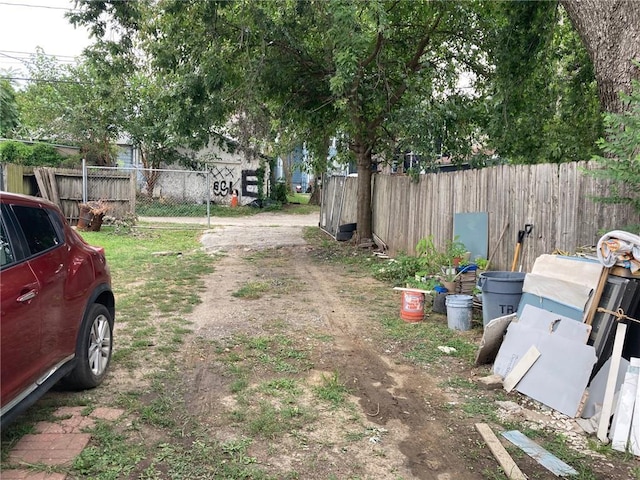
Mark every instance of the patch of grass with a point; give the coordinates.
(281, 387)
(479, 406)
(461, 383)
(109, 456)
(154, 208)
(159, 413)
(266, 422)
(274, 353)
(332, 389)
(423, 339)
(298, 198)
(203, 459)
(354, 436)
(252, 290)
(270, 421)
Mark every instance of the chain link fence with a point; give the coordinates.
(159, 192)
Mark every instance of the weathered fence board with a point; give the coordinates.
(17, 178)
(555, 198)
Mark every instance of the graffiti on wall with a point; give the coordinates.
(249, 183)
(224, 180)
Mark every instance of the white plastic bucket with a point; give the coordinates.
(459, 311)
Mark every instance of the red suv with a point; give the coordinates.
(56, 305)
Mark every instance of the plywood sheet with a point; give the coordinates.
(571, 269)
(552, 322)
(550, 305)
(559, 377)
(563, 291)
(492, 338)
(472, 229)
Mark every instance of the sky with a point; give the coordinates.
(28, 24)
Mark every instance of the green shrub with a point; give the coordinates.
(44, 155)
(397, 271)
(279, 192)
(37, 155)
(14, 152)
(621, 159)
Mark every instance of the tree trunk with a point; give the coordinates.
(364, 220)
(610, 31)
(149, 173)
(315, 199)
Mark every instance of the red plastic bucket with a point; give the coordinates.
(412, 309)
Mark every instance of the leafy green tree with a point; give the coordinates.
(346, 67)
(9, 118)
(41, 104)
(541, 98)
(621, 145)
(71, 105)
(166, 103)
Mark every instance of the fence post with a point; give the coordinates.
(84, 181)
(208, 199)
(132, 191)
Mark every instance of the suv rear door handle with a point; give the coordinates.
(30, 295)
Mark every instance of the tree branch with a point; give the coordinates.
(367, 61)
(413, 66)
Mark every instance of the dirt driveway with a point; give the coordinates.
(398, 404)
(401, 421)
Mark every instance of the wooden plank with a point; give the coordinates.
(42, 182)
(521, 368)
(607, 403)
(402, 289)
(595, 300)
(621, 425)
(51, 175)
(509, 467)
(539, 454)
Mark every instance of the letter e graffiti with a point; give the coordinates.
(249, 184)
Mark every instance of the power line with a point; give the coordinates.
(2, 52)
(49, 7)
(42, 80)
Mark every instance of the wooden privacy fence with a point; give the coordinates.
(64, 188)
(555, 198)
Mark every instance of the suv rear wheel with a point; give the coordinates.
(93, 351)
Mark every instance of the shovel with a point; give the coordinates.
(521, 233)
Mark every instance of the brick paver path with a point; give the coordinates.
(55, 444)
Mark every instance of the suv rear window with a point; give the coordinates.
(6, 254)
(38, 229)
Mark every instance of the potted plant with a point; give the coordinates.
(429, 257)
(482, 264)
(448, 277)
(455, 252)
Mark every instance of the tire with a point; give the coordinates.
(93, 349)
(347, 227)
(344, 236)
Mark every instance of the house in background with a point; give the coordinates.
(291, 170)
(228, 168)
